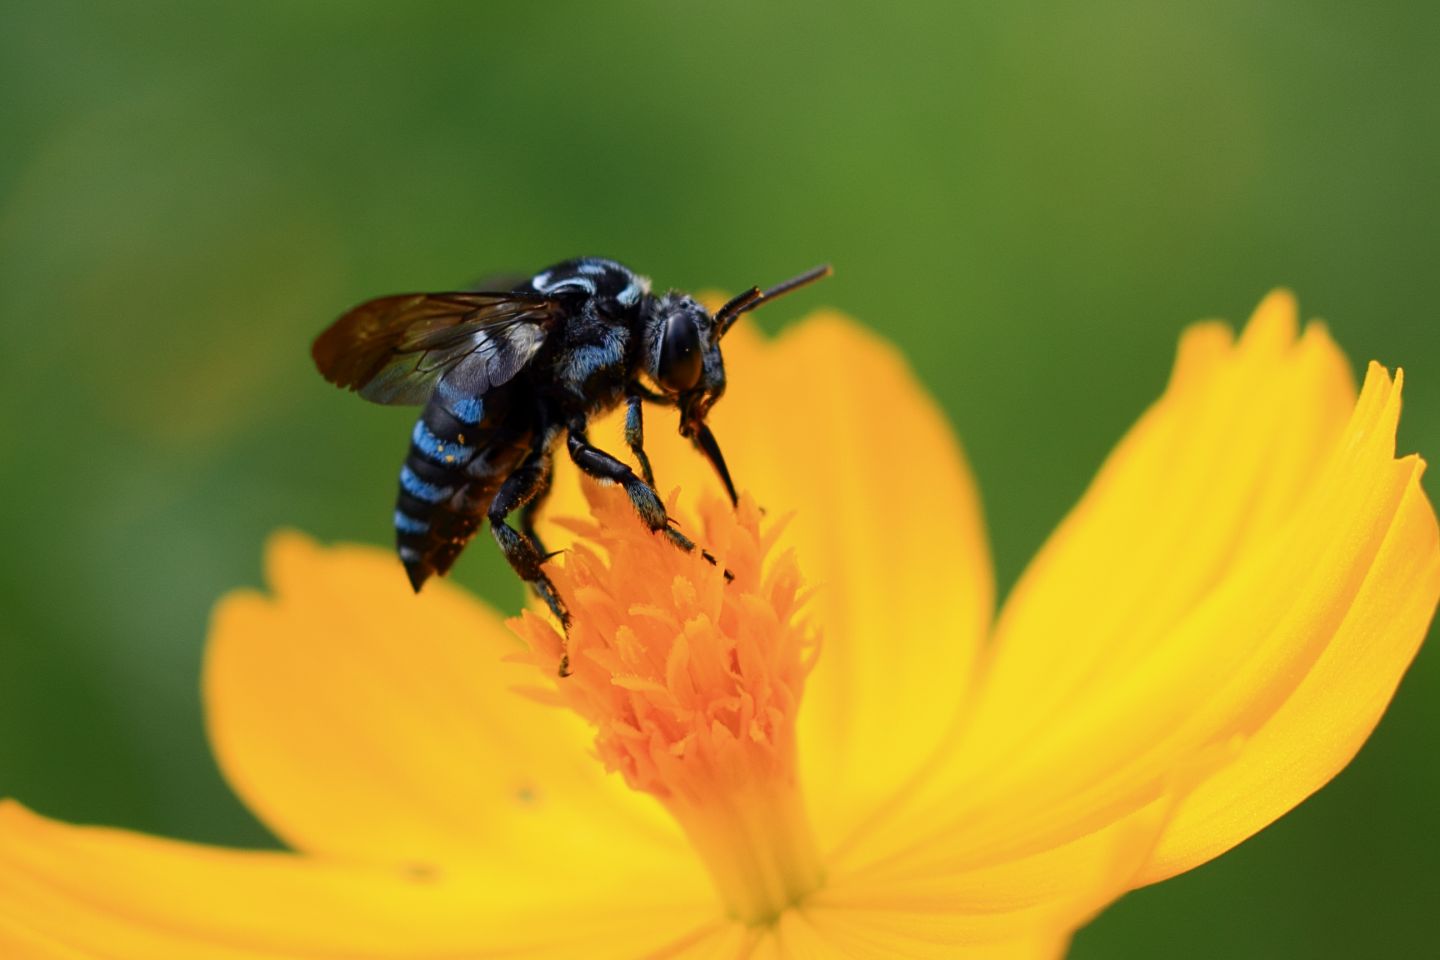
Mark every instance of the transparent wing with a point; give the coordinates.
(394, 349)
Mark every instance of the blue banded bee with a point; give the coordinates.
(503, 375)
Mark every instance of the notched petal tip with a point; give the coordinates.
(1276, 321)
(286, 551)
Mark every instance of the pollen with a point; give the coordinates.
(691, 674)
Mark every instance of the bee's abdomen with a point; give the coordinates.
(439, 505)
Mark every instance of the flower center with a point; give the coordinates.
(692, 683)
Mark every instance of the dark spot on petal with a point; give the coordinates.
(422, 872)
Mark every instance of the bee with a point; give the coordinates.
(504, 376)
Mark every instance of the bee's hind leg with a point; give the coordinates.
(601, 465)
(532, 507)
(527, 484)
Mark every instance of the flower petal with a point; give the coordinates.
(828, 423)
(1241, 546)
(363, 722)
(810, 934)
(85, 892)
(983, 893)
(1204, 476)
(1331, 712)
(817, 934)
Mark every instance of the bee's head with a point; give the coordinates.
(682, 356)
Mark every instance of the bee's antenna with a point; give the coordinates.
(726, 316)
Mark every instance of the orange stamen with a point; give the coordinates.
(693, 684)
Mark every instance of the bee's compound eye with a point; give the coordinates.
(680, 360)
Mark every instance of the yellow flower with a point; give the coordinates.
(867, 767)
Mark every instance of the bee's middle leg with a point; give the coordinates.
(601, 465)
(635, 436)
(528, 483)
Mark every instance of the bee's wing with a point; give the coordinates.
(394, 349)
(510, 280)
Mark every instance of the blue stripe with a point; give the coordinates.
(468, 410)
(408, 524)
(409, 554)
(421, 490)
(438, 450)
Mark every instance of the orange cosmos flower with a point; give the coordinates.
(864, 767)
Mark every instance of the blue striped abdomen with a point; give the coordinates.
(461, 449)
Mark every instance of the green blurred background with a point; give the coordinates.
(1031, 199)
